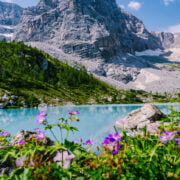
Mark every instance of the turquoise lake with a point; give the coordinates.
(96, 121)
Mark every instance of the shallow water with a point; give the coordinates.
(96, 121)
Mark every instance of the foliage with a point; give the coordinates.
(35, 76)
(142, 156)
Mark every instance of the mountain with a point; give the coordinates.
(104, 39)
(10, 15)
(29, 77)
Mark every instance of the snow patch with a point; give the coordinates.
(10, 35)
(150, 52)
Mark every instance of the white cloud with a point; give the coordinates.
(122, 6)
(167, 2)
(174, 29)
(134, 5)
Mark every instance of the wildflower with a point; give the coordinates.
(41, 119)
(40, 135)
(153, 128)
(112, 138)
(21, 142)
(167, 137)
(115, 151)
(36, 129)
(20, 161)
(4, 133)
(112, 142)
(73, 112)
(90, 142)
(42, 113)
(178, 140)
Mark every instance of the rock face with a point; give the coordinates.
(93, 28)
(102, 38)
(97, 32)
(168, 40)
(146, 115)
(10, 15)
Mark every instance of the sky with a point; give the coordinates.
(157, 15)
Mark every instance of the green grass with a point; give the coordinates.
(22, 73)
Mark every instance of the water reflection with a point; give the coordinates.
(95, 121)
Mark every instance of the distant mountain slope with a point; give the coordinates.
(10, 15)
(97, 32)
(101, 37)
(29, 77)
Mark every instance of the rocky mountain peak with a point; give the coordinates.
(10, 13)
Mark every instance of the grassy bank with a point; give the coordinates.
(35, 77)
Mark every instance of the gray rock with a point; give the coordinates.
(27, 135)
(3, 105)
(5, 97)
(141, 117)
(97, 32)
(43, 105)
(10, 13)
(12, 102)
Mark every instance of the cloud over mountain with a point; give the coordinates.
(134, 5)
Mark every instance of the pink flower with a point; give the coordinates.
(167, 137)
(21, 142)
(40, 135)
(73, 112)
(36, 129)
(4, 133)
(41, 119)
(178, 140)
(42, 113)
(90, 142)
(20, 162)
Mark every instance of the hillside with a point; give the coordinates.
(29, 77)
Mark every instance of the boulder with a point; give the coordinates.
(26, 135)
(141, 117)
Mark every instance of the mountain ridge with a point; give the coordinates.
(104, 39)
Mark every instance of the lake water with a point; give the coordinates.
(96, 121)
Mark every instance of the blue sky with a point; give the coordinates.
(158, 15)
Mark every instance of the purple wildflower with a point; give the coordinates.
(178, 140)
(20, 161)
(40, 135)
(90, 142)
(73, 112)
(37, 129)
(167, 137)
(115, 151)
(178, 132)
(42, 113)
(41, 119)
(4, 133)
(21, 142)
(112, 142)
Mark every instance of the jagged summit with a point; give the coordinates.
(10, 13)
(100, 26)
(101, 37)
